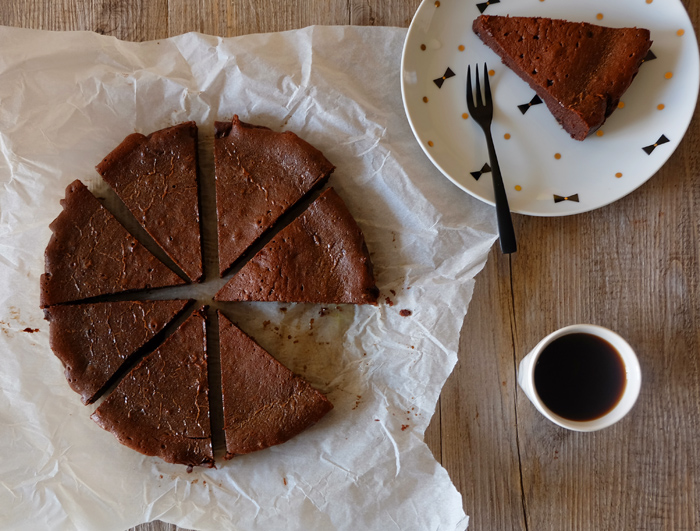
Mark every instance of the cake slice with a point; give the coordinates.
(161, 407)
(260, 174)
(94, 341)
(156, 178)
(90, 253)
(319, 257)
(264, 402)
(579, 70)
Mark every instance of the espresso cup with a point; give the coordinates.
(582, 377)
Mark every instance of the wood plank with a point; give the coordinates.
(478, 415)
(139, 20)
(382, 12)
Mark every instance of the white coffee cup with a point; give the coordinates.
(526, 378)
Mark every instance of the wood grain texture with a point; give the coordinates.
(633, 266)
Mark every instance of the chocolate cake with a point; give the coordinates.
(90, 253)
(161, 407)
(579, 70)
(264, 402)
(156, 178)
(93, 341)
(320, 257)
(260, 174)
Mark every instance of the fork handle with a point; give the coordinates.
(506, 233)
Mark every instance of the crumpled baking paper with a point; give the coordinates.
(66, 100)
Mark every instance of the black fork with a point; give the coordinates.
(482, 112)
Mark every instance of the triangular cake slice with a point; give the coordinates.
(319, 257)
(90, 253)
(161, 407)
(260, 174)
(94, 341)
(579, 70)
(156, 178)
(264, 402)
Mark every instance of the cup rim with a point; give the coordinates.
(632, 372)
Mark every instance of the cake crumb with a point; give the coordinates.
(405, 313)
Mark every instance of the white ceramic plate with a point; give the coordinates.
(546, 173)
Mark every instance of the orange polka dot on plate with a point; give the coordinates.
(599, 16)
(680, 32)
(621, 105)
(618, 175)
(437, 4)
(460, 47)
(425, 99)
(423, 47)
(517, 186)
(557, 156)
(507, 136)
(661, 106)
(465, 116)
(492, 72)
(649, 1)
(668, 75)
(600, 132)
(430, 143)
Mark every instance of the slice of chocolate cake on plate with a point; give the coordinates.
(90, 253)
(156, 178)
(579, 70)
(265, 404)
(319, 257)
(260, 174)
(93, 341)
(161, 407)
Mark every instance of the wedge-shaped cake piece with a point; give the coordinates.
(161, 407)
(90, 253)
(94, 341)
(579, 70)
(264, 402)
(156, 178)
(320, 257)
(260, 174)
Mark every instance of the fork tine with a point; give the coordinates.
(487, 87)
(470, 94)
(479, 100)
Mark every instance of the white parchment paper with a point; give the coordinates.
(66, 100)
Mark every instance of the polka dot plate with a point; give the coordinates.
(547, 173)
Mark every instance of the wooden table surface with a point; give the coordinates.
(633, 266)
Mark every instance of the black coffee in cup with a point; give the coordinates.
(580, 377)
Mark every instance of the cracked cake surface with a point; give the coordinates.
(579, 70)
(161, 407)
(265, 404)
(93, 341)
(319, 257)
(260, 174)
(90, 253)
(156, 178)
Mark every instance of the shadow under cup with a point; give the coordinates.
(582, 377)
